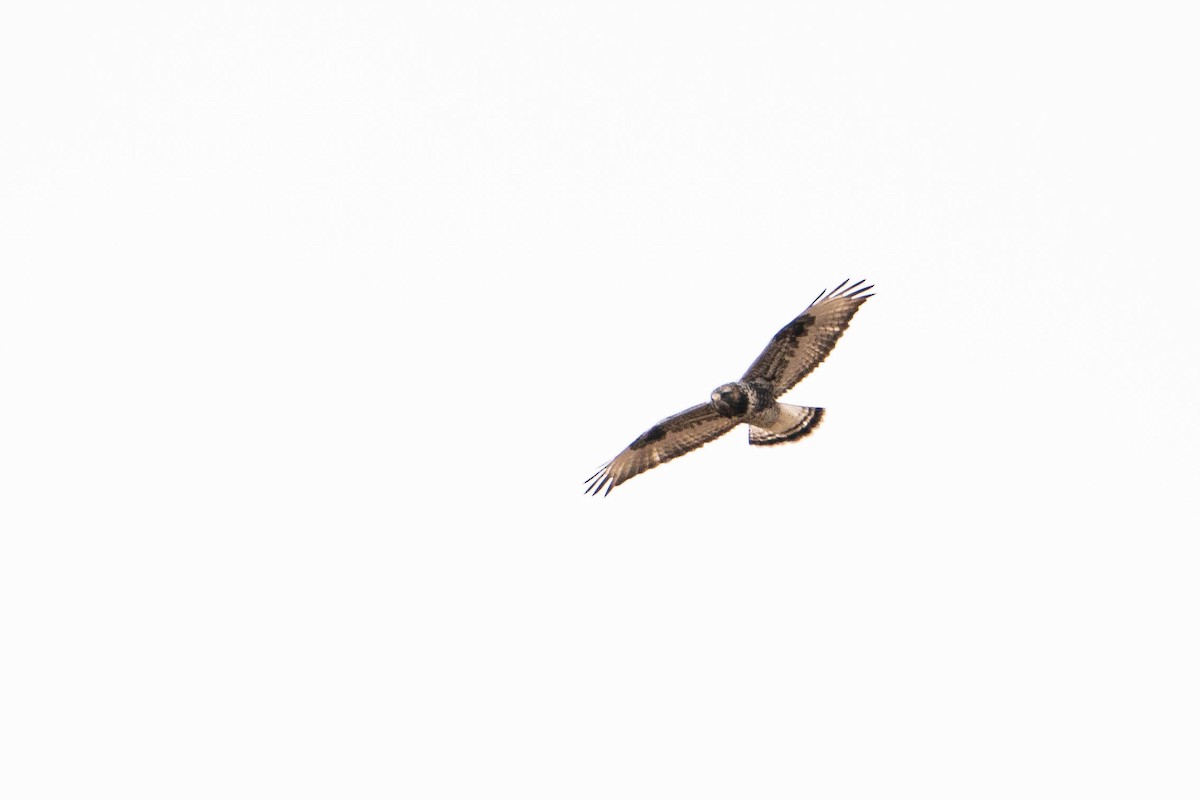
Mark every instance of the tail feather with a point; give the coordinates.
(793, 422)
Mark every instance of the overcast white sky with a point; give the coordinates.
(314, 317)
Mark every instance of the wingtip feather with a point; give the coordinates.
(857, 293)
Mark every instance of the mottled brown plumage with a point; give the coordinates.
(794, 352)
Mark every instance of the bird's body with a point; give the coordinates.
(770, 421)
(794, 352)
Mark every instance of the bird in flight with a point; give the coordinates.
(794, 352)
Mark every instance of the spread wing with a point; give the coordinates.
(669, 439)
(804, 342)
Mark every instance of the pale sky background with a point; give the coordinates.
(314, 317)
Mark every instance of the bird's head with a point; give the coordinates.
(730, 400)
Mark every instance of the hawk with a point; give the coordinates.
(794, 352)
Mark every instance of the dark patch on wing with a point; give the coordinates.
(652, 435)
(796, 328)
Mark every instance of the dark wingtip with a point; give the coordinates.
(857, 293)
(853, 291)
(599, 476)
(596, 485)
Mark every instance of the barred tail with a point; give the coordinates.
(794, 422)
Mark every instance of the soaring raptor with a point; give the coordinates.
(794, 352)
